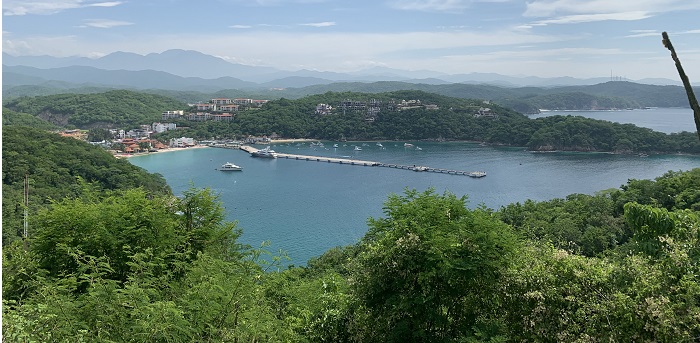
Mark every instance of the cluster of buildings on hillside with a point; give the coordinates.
(372, 107)
(135, 140)
(217, 109)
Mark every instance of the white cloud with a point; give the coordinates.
(20, 7)
(643, 33)
(240, 26)
(587, 18)
(105, 4)
(104, 23)
(552, 8)
(430, 5)
(323, 24)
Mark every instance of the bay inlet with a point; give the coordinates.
(308, 207)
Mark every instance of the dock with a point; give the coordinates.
(355, 162)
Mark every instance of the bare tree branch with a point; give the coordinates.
(686, 83)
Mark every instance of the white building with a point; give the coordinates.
(182, 142)
(162, 127)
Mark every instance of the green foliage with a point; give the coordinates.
(12, 118)
(675, 190)
(594, 224)
(129, 267)
(59, 167)
(425, 272)
(108, 109)
(453, 120)
(580, 223)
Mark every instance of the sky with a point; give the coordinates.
(545, 38)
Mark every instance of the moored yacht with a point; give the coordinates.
(266, 153)
(228, 166)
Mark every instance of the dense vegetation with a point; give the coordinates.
(125, 266)
(109, 109)
(59, 167)
(13, 118)
(453, 120)
(613, 94)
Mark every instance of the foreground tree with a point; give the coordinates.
(129, 267)
(427, 272)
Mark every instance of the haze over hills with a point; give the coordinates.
(196, 66)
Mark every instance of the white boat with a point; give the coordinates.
(266, 153)
(357, 148)
(380, 145)
(420, 168)
(335, 145)
(477, 174)
(228, 166)
(418, 148)
(407, 145)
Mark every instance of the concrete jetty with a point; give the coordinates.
(475, 174)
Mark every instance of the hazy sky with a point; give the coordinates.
(547, 38)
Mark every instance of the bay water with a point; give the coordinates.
(306, 207)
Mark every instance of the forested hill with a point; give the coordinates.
(108, 109)
(54, 165)
(613, 94)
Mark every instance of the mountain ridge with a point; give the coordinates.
(191, 63)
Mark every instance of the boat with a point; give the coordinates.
(407, 145)
(420, 168)
(419, 148)
(357, 148)
(265, 153)
(380, 145)
(228, 166)
(477, 174)
(335, 145)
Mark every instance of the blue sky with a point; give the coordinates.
(546, 38)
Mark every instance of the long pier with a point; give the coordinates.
(474, 174)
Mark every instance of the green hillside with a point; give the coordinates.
(108, 109)
(56, 166)
(613, 94)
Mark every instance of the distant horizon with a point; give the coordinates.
(497, 77)
(543, 38)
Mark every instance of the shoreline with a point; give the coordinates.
(123, 155)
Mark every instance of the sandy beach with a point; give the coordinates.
(123, 155)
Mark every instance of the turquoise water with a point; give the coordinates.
(305, 208)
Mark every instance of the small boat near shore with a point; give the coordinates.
(477, 174)
(228, 166)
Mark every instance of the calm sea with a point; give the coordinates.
(666, 120)
(305, 208)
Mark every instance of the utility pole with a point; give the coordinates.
(25, 234)
(686, 83)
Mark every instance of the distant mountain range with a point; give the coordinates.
(193, 70)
